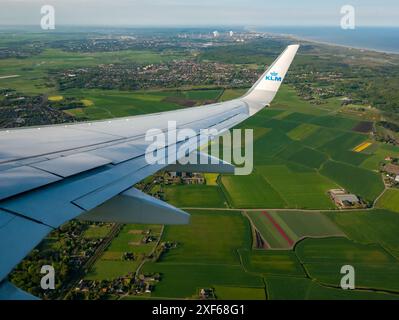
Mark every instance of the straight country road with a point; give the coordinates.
(8, 77)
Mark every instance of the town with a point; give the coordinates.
(175, 74)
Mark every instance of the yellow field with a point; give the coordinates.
(211, 179)
(55, 98)
(75, 112)
(87, 103)
(362, 146)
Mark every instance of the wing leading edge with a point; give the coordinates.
(52, 174)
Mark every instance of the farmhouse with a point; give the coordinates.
(391, 169)
(194, 178)
(206, 293)
(185, 178)
(345, 200)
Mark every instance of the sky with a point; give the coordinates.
(200, 12)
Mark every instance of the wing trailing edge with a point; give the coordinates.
(134, 206)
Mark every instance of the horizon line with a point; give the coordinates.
(196, 26)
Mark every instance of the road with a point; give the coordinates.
(8, 77)
(150, 254)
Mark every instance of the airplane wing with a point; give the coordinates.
(52, 174)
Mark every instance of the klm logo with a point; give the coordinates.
(274, 77)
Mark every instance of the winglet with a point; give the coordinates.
(265, 89)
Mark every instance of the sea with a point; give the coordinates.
(384, 39)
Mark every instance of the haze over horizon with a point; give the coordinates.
(192, 13)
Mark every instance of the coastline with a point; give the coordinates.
(333, 44)
(277, 33)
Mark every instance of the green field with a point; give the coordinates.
(300, 187)
(203, 95)
(271, 262)
(304, 156)
(265, 222)
(287, 99)
(130, 236)
(251, 192)
(340, 148)
(230, 94)
(196, 196)
(302, 131)
(389, 200)
(335, 122)
(97, 231)
(183, 280)
(273, 142)
(111, 269)
(320, 137)
(375, 268)
(239, 293)
(291, 288)
(368, 227)
(205, 240)
(294, 226)
(310, 224)
(115, 103)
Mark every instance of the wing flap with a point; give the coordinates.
(71, 165)
(53, 205)
(120, 152)
(17, 180)
(134, 206)
(96, 198)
